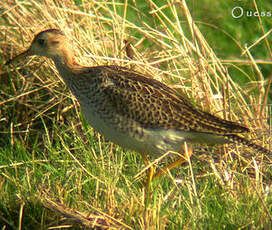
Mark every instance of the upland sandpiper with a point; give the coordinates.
(131, 110)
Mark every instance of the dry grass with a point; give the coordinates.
(39, 122)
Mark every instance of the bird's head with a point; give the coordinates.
(49, 43)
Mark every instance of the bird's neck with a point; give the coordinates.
(66, 65)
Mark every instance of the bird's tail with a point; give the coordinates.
(240, 140)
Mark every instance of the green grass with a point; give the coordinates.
(57, 172)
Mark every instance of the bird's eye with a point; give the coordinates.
(55, 42)
(41, 41)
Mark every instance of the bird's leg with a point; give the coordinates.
(188, 153)
(150, 173)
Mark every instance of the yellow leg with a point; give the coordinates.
(176, 163)
(150, 173)
(150, 177)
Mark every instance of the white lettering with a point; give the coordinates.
(256, 14)
(248, 13)
(239, 12)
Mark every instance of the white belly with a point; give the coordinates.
(152, 142)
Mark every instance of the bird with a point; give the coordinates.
(133, 111)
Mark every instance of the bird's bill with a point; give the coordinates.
(19, 56)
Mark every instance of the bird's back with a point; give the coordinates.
(146, 101)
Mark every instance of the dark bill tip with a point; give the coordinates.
(21, 55)
(8, 62)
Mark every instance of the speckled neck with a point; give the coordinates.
(66, 65)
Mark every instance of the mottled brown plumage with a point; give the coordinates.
(132, 110)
